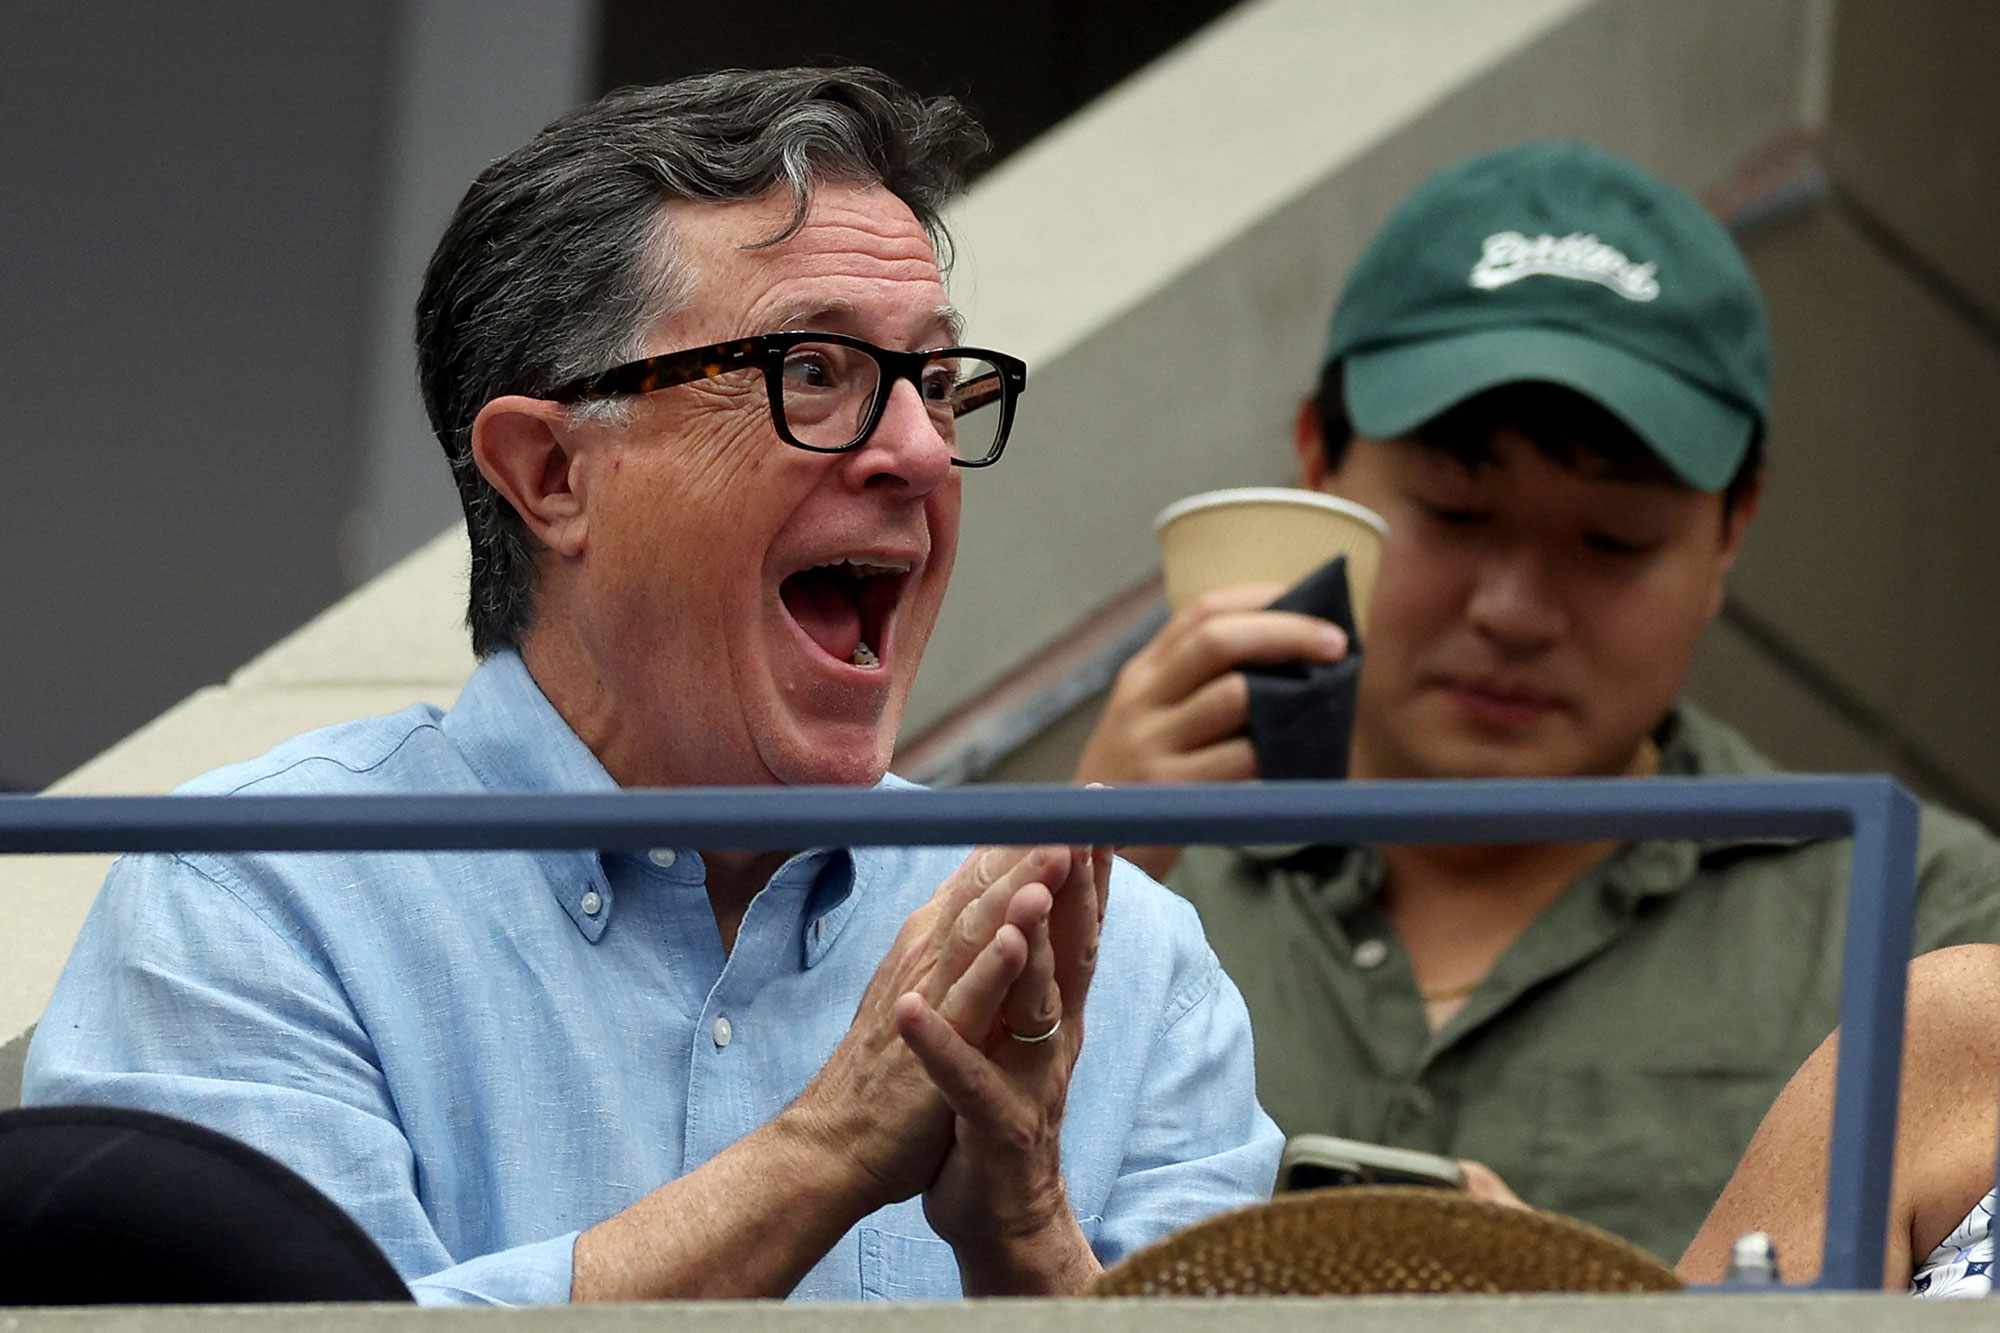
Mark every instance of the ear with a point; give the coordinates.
(1309, 445)
(526, 451)
(1735, 524)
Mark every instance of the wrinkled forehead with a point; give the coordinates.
(859, 262)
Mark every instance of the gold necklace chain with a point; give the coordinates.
(1450, 992)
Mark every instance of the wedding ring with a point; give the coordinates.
(1054, 1028)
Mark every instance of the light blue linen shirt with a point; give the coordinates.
(479, 1055)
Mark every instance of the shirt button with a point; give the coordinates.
(663, 857)
(721, 1031)
(1370, 954)
(1418, 1104)
(592, 903)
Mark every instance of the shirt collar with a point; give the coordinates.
(515, 741)
(513, 737)
(1694, 744)
(1691, 743)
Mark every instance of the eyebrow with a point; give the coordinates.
(822, 314)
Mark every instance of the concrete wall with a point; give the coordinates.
(474, 78)
(187, 209)
(396, 641)
(213, 219)
(1871, 570)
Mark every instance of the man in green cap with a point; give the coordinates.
(1549, 372)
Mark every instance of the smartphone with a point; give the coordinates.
(1321, 1161)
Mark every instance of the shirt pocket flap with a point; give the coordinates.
(921, 1268)
(906, 1268)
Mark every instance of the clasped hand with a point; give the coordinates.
(939, 1087)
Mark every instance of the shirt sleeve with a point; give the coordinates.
(183, 998)
(1201, 1143)
(1958, 883)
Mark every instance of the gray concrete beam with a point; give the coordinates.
(1781, 1313)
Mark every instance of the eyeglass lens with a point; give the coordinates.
(830, 391)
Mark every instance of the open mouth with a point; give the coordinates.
(847, 607)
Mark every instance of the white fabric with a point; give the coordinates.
(1962, 1265)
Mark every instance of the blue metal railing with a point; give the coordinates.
(1879, 815)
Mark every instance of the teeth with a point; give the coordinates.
(862, 569)
(864, 656)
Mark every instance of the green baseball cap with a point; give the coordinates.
(1554, 261)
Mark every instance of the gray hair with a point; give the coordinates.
(559, 259)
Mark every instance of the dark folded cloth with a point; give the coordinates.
(1302, 713)
(104, 1205)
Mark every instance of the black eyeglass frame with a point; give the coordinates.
(766, 352)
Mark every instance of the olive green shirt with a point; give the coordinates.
(1616, 1060)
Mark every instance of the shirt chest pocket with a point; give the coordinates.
(906, 1268)
(1644, 1152)
(919, 1268)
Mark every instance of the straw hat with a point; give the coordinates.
(1382, 1239)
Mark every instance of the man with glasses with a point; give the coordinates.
(690, 356)
(1549, 373)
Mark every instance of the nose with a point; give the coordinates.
(1515, 604)
(905, 451)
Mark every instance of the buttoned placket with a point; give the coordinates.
(1576, 927)
(1366, 967)
(582, 888)
(1362, 970)
(1384, 994)
(725, 1075)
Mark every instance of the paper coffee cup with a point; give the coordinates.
(1267, 534)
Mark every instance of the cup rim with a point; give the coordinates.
(1270, 495)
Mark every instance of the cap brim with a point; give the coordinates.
(1393, 390)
